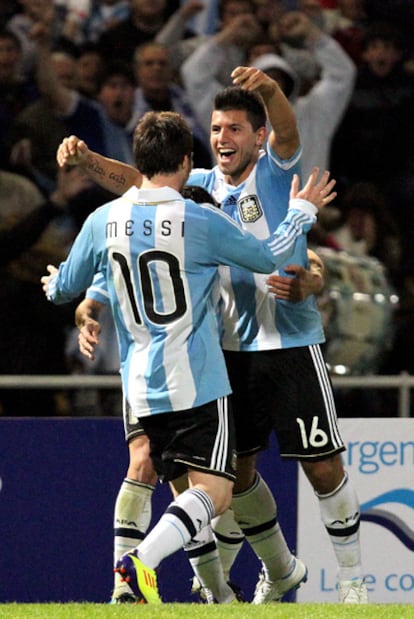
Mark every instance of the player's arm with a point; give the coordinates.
(301, 282)
(110, 174)
(317, 268)
(264, 256)
(284, 136)
(86, 319)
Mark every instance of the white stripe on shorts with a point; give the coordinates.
(219, 453)
(326, 390)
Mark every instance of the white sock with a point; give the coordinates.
(256, 512)
(340, 513)
(182, 520)
(132, 515)
(229, 539)
(204, 558)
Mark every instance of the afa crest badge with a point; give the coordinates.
(250, 209)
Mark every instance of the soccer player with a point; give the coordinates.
(277, 371)
(132, 512)
(160, 254)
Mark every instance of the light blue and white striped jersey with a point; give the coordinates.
(252, 318)
(159, 255)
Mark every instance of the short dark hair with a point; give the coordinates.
(89, 47)
(116, 68)
(161, 141)
(386, 32)
(147, 45)
(235, 98)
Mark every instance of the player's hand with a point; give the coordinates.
(72, 151)
(252, 79)
(297, 285)
(320, 193)
(45, 279)
(88, 338)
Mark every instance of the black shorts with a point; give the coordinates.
(200, 438)
(288, 391)
(132, 425)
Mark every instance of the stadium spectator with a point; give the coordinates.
(318, 112)
(15, 92)
(320, 109)
(268, 11)
(177, 34)
(366, 227)
(237, 28)
(109, 121)
(265, 30)
(346, 23)
(24, 23)
(145, 20)
(36, 231)
(375, 139)
(206, 21)
(102, 16)
(37, 130)
(301, 58)
(397, 12)
(90, 67)
(156, 90)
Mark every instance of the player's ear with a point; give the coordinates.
(261, 135)
(187, 164)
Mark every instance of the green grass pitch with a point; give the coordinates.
(200, 611)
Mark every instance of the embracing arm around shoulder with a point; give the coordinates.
(108, 173)
(300, 282)
(86, 319)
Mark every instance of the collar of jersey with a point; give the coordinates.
(152, 196)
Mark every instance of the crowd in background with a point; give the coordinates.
(93, 68)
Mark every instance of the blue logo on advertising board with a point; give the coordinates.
(371, 511)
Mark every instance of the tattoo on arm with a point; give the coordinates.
(118, 180)
(94, 168)
(99, 172)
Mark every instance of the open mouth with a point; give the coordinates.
(226, 155)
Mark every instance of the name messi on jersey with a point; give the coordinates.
(165, 227)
